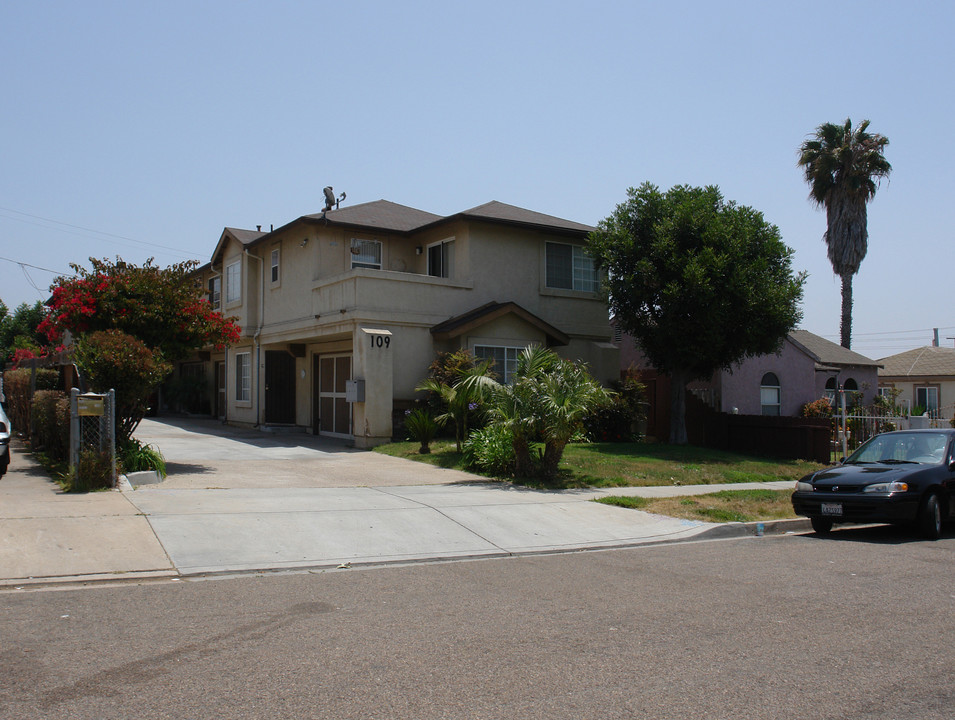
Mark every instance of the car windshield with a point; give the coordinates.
(913, 447)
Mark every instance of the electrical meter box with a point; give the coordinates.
(355, 390)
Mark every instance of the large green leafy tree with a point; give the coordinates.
(699, 282)
(843, 166)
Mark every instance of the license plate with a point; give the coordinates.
(832, 508)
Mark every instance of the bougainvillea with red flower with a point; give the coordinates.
(162, 307)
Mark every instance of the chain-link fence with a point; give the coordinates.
(93, 437)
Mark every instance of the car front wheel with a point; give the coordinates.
(821, 525)
(930, 517)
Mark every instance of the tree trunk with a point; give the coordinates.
(846, 325)
(523, 466)
(678, 381)
(553, 451)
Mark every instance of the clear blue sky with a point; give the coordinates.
(142, 129)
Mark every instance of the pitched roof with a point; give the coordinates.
(920, 362)
(460, 324)
(825, 352)
(243, 237)
(495, 211)
(379, 215)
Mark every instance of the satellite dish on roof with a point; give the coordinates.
(330, 199)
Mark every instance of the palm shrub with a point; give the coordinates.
(547, 402)
(461, 398)
(422, 428)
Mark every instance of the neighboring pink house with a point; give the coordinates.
(806, 368)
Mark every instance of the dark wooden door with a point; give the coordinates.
(279, 387)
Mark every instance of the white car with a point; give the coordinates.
(4, 442)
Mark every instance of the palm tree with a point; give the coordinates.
(460, 398)
(548, 400)
(843, 167)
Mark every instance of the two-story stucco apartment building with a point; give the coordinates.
(342, 311)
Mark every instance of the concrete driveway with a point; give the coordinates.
(238, 499)
(208, 454)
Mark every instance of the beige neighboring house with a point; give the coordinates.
(924, 377)
(342, 311)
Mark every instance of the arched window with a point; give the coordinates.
(831, 391)
(850, 385)
(769, 394)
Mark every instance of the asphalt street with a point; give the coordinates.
(855, 627)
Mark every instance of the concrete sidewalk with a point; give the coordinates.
(242, 501)
(46, 534)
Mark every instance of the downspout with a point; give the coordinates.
(256, 341)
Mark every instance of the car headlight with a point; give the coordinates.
(803, 486)
(887, 487)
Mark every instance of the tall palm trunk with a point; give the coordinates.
(846, 325)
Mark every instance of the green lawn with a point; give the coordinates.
(723, 506)
(635, 464)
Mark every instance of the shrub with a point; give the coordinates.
(113, 359)
(490, 450)
(422, 428)
(820, 408)
(621, 418)
(94, 472)
(51, 423)
(16, 388)
(133, 456)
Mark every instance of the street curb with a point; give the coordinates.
(752, 529)
(99, 579)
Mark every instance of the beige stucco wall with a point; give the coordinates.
(321, 302)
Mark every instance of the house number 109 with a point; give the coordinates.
(380, 341)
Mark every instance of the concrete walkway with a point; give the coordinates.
(241, 500)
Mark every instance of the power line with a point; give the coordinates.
(177, 251)
(36, 267)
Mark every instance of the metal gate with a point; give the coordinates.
(93, 432)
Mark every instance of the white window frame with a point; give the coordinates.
(447, 258)
(275, 275)
(511, 353)
(243, 377)
(360, 255)
(927, 390)
(770, 396)
(233, 282)
(583, 272)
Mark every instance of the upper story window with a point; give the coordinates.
(215, 292)
(769, 394)
(274, 266)
(441, 258)
(568, 267)
(366, 253)
(233, 282)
